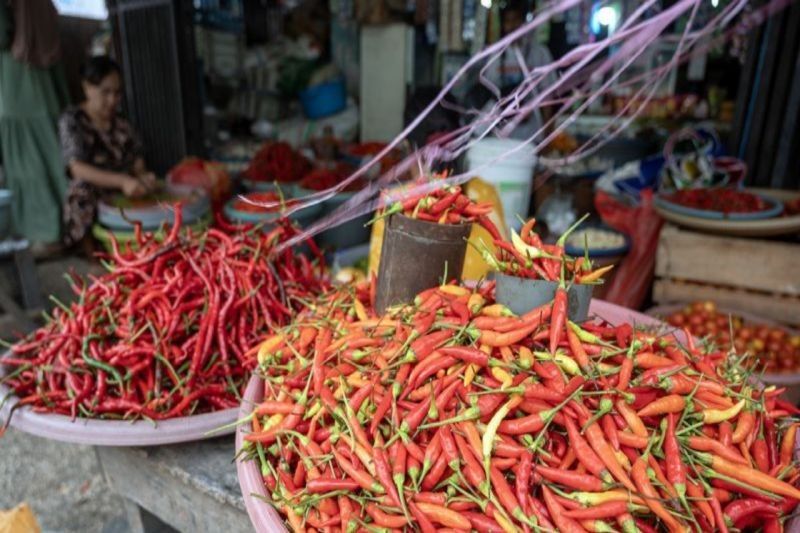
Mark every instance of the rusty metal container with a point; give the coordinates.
(415, 256)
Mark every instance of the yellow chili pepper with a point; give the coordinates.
(715, 416)
(525, 249)
(623, 460)
(595, 275)
(469, 374)
(361, 313)
(272, 421)
(567, 364)
(268, 346)
(487, 441)
(475, 303)
(455, 290)
(356, 380)
(496, 310)
(502, 376)
(525, 357)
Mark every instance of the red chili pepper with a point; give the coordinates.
(556, 512)
(571, 479)
(558, 317)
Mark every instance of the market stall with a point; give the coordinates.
(309, 333)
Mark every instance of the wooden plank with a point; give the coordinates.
(736, 262)
(785, 310)
(190, 487)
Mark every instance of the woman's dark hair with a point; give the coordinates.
(96, 68)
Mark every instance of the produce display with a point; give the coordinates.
(791, 207)
(206, 175)
(367, 149)
(526, 256)
(447, 205)
(597, 239)
(150, 200)
(249, 202)
(721, 200)
(775, 350)
(277, 162)
(166, 332)
(321, 179)
(453, 414)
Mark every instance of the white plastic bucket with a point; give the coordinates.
(511, 174)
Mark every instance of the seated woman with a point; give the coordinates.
(101, 150)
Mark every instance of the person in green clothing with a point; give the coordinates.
(33, 91)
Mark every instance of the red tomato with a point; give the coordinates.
(676, 319)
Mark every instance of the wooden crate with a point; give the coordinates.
(761, 277)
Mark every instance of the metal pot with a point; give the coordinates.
(415, 256)
(521, 295)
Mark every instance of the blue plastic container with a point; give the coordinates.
(324, 99)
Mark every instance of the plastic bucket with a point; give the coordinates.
(512, 175)
(324, 99)
(415, 256)
(522, 295)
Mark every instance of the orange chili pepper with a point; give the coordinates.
(672, 403)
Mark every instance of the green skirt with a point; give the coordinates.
(30, 101)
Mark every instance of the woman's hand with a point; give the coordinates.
(133, 188)
(148, 179)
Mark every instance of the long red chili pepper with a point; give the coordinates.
(558, 317)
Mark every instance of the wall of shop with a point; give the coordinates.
(766, 132)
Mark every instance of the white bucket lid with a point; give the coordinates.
(491, 148)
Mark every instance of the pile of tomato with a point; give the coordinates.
(775, 348)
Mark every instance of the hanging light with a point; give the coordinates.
(604, 17)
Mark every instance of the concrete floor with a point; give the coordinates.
(61, 482)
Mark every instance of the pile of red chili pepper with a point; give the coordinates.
(720, 200)
(166, 332)
(454, 414)
(277, 161)
(446, 205)
(527, 256)
(322, 179)
(373, 148)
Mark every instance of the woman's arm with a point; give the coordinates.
(139, 167)
(140, 171)
(104, 179)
